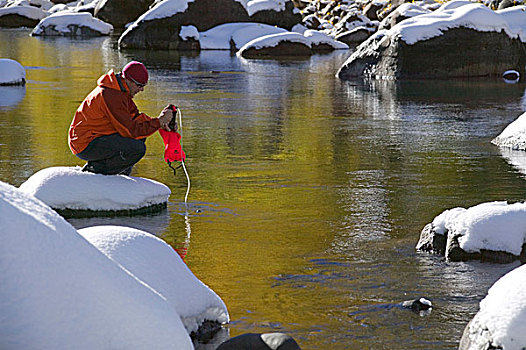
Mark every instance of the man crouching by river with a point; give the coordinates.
(108, 131)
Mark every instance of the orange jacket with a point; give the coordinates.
(107, 110)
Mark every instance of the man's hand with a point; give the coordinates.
(165, 117)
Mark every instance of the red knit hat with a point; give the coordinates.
(135, 71)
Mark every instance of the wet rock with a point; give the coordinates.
(417, 305)
(458, 53)
(120, 12)
(430, 241)
(266, 341)
(206, 331)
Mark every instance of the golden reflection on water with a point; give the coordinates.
(308, 193)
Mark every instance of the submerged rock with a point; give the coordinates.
(417, 305)
(266, 341)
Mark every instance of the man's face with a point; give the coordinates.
(134, 87)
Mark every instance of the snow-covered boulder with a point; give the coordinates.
(233, 36)
(460, 39)
(72, 24)
(492, 231)
(289, 44)
(514, 135)
(282, 44)
(73, 192)
(11, 72)
(159, 27)
(21, 16)
(58, 291)
(501, 321)
(166, 273)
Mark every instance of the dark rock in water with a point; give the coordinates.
(417, 305)
(458, 53)
(430, 241)
(17, 21)
(266, 341)
(283, 19)
(206, 331)
(283, 49)
(120, 12)
(163, 33)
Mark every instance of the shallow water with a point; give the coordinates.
(308, 193)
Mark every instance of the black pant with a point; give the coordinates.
(112, 154)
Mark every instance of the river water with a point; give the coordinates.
(308, 194)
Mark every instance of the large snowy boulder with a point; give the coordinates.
(493, 231)
(73, 192)
(501, 321)
(514, 135)
(166, 273)
(21, 16)
(460, 39)
(160, 27)
(58, 291)
(72, 24)
(11, 72)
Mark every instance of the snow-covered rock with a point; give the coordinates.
(68, 189)
(72, 24)
(155, 263)
(494, 231)
(224, 36)
(58, 291)
(289, 44)
(21, 16)
(460, 39)
(514, 135)
(11, 72)
(501, 321)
